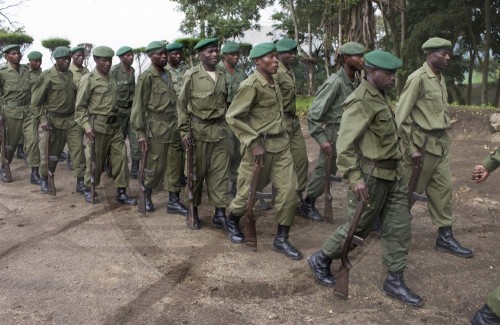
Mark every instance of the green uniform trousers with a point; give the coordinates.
(111, 145)
(211, 164)
(165, 161)
(494, 301)
(389, 201)
(31, 145)
(235, 154)
(280, 171)
(435, 180)
(128, 132)
(15, 130)
(315, 187)
(298, 151)
(58, 139)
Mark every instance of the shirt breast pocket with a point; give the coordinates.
(201, 100)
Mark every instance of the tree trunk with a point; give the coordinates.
(496, 101)
(362, 24)
(472, 58)
(486, 61)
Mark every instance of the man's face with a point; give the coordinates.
(159, 58)
(78, 58)
(210, 56)
(103, 65)
(232, 58)
(268, 64)
(439, 59)
(288, 58)
(14, 56)
(127, 59)
(355, 62)
(385, 80)
(35, 64)
(62, 64)
(175, 57)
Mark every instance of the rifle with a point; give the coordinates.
(93, 167)
(141, 206)
(190, 182)
(341, 288)
(412, 183)
(48, 158)
(4, 147)
(326, 189)
(250, 227)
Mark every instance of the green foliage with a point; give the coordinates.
(303, 104)
(52, 43)
(188, 51)
(19, 38)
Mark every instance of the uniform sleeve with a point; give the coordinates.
(38, 98)
(315, 117)
(355, 121)
(492, 161)
(239, 109)
(405, 105)
(139, 106)
(182, 106)
(82, 102)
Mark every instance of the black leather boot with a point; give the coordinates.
(87, 194)
(147, 198)
(233, 230)
(446, 243)
(134, 169)
(20, 154)
(485, 316)
(69, 162)
(282, 245)
(174, 204)
(308, 210)
(197, 223)
(320, 265)
(395, 287)
(35, 176)
(80, 188)
(219, 219)
(44, 186)
(122, 197)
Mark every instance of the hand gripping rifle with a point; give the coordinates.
(4, 147)
(48, 159)
(341, 288)
(326, 189)
(250, 227)
(141, 205)
(190, 181)
(412, 183)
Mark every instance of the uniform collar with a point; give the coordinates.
(372, 90)
(429, 71)
(261, 78)
(345, 77)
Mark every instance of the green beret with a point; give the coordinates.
(286, 45)
(11, 47)
(230, 47)
(61, 52)
(206, 42)
(436, 43)
(352, 48)
(262, 49)
(122, 50)
(155, 46)
(77, 49)
(34, 55)
(174, 46)
(382, 60)
(103, 52)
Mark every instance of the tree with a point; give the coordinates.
(17, 37)
(52, 43)
(86, 53)
(140, 57)
(189, 53)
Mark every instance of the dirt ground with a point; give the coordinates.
(63, 261)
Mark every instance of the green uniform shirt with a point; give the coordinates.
(367, 130)
(155, 102)
(125, 83)
(256, 110)
(177, 75)
(54, 93)
(328, 104)
(96, 96)
(34, 74)
(286, 83)
(492, 161)
(15, 90)
(424, 101)
(233, 80)
(205, 99)
(78, 73)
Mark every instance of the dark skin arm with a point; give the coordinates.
(90, 134)
(327, 149)
(480, 174)
(361, 191)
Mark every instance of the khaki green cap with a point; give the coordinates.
(382, 60)
(174, 46)
(34, 56)
(286, 45)
(61, 52)
(206, 42)
(230, 47)
(103, 52)
(122, 50)
(11, 47)
(436, 43)
(77, 49)
(352, 48)
(262, 49)
(155, 46)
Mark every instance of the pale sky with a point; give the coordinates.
(101, 22)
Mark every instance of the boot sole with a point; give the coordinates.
(305, 216)
(318, 281)
(440, 249)
(298, 258)
(390, 295)
(177, 212)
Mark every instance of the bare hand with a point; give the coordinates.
(417, 159)
(361, 192)
(143, 143)
(90, 134)
(45, 126)
(187, 142)
(327, 149)
(480, 174)
(258, 153)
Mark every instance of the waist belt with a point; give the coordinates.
(56, 114)
(271, 136)
(290, 115)
(216, 120)
(161, 117)
(390, 164)
(10, 103)
(433, 133)
(106, 118)
(122, 104)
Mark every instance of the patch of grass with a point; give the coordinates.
(303, 104)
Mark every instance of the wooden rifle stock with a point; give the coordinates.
(250, 227)
(4, 148)
(190, 181)
(141, 205)
(326, 189)
(51, 186)
(93, 166)
(415, 174)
